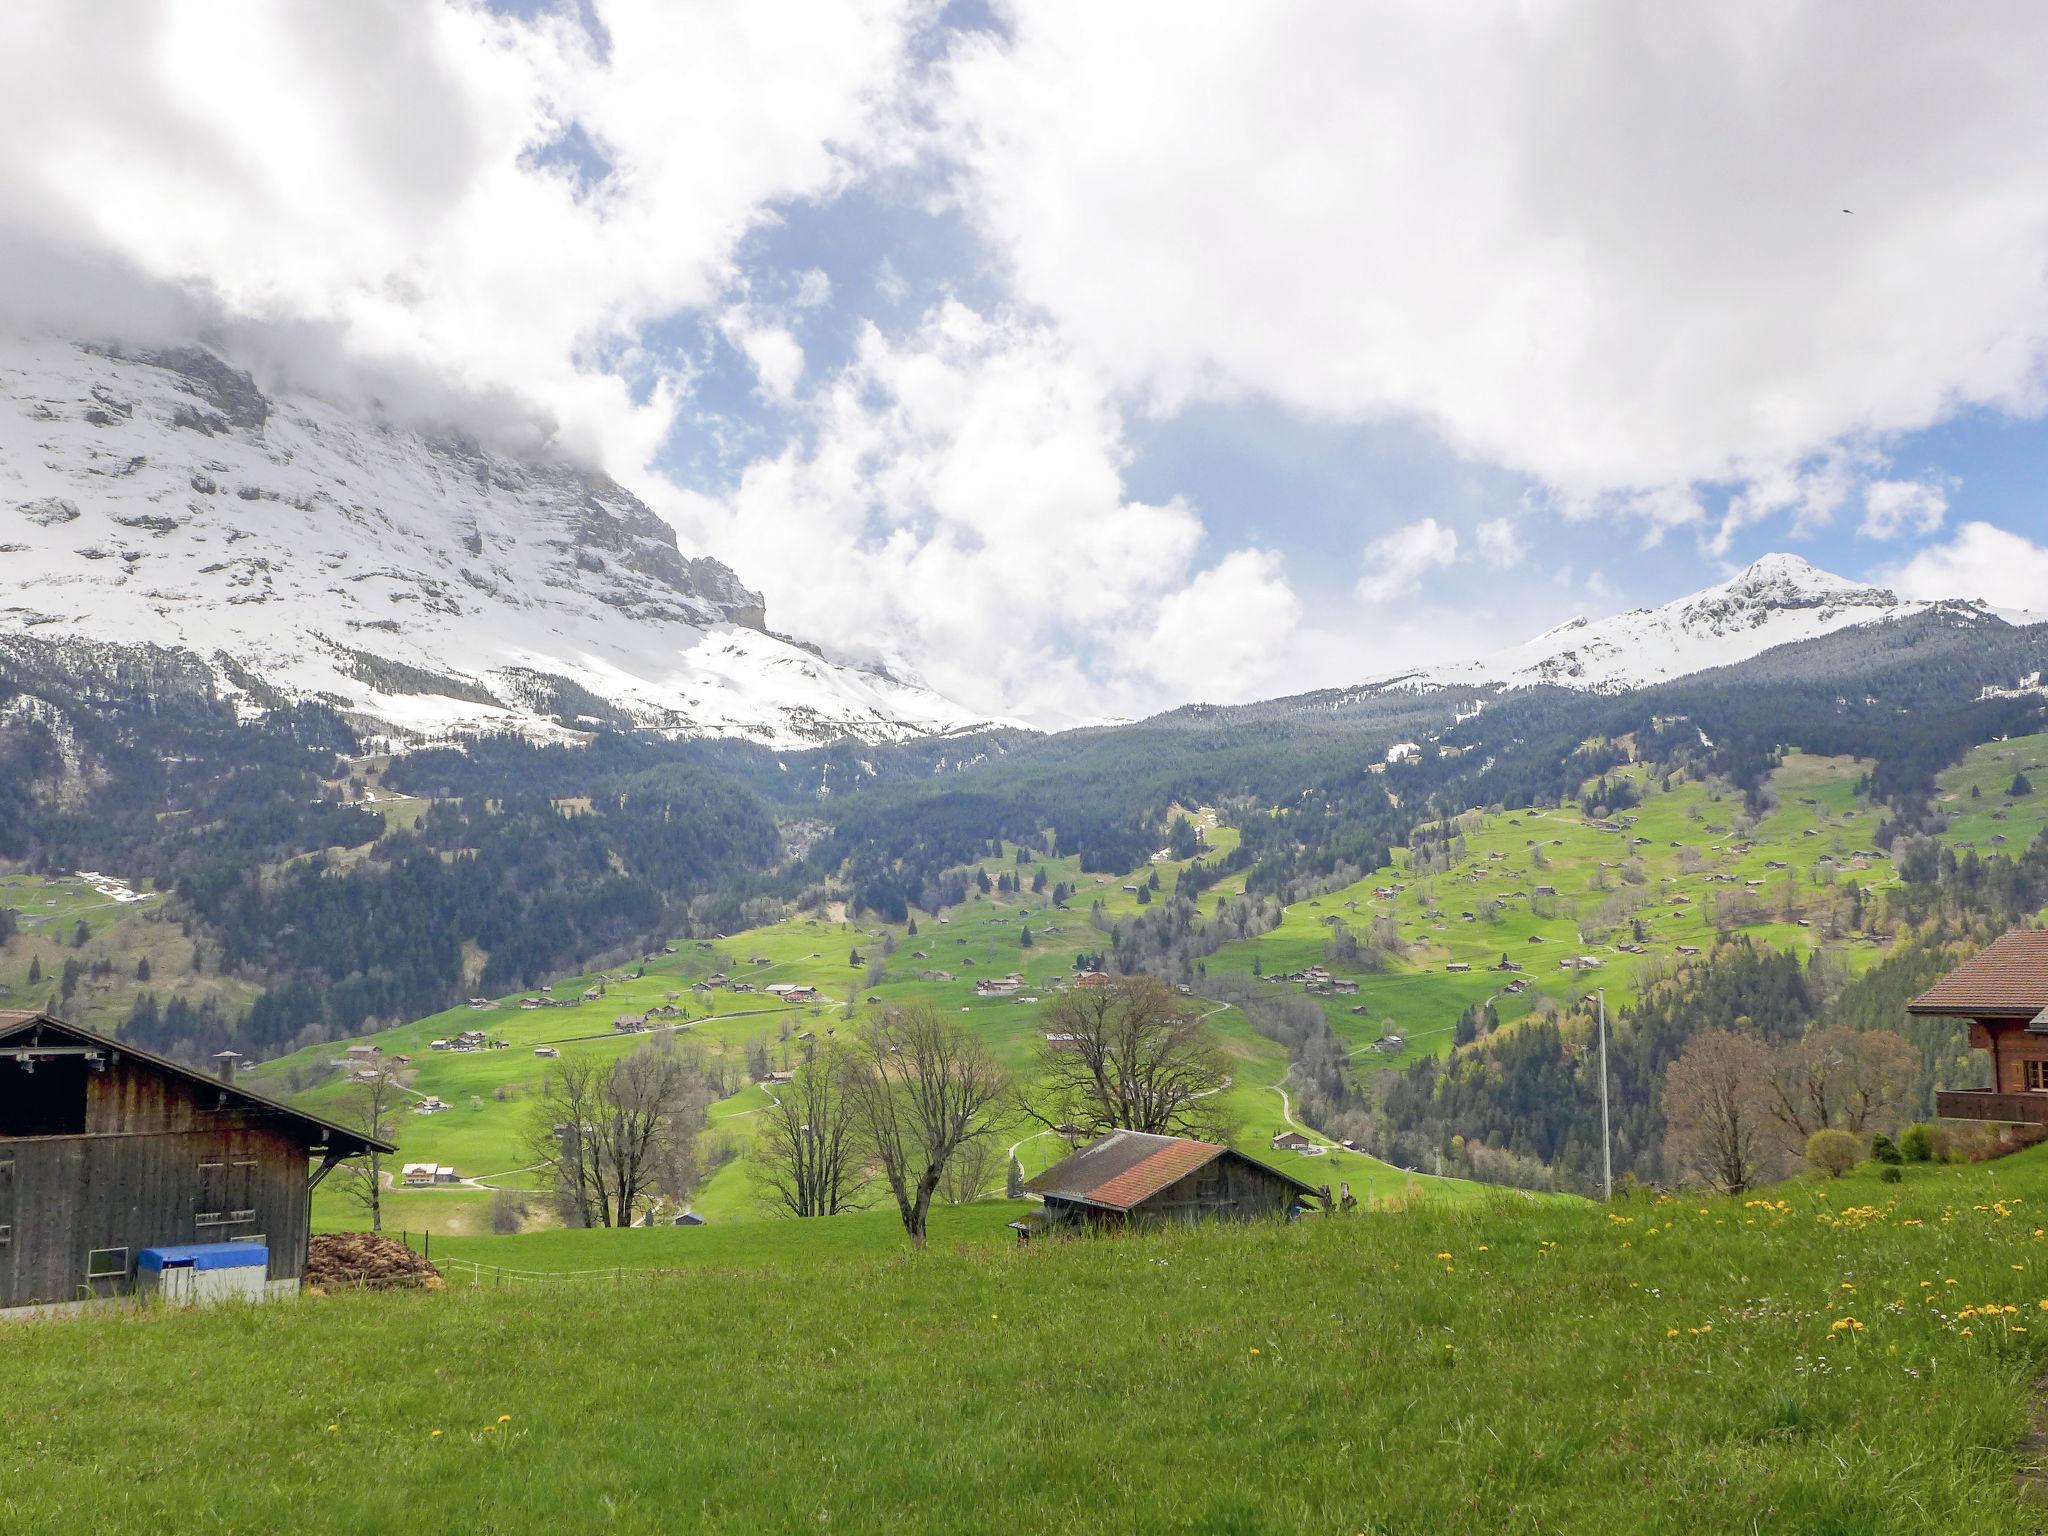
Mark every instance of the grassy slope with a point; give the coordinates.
(1684, 838)
(1502, 1366)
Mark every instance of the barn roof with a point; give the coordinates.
(2009, 976)
(337, 1139)
(1127, 1168)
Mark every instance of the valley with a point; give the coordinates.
(1636, 895)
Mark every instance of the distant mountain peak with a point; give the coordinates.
(1776, 600)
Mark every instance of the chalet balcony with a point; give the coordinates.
(1984, 1104)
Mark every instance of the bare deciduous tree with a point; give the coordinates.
(970, 1171)
(1717, 1109)
(923, 1087)
(611, 1136)
(809, 1158)
(1129, 1056)
(373, 1110)
(1839, 1077)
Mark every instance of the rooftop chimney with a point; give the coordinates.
(224, 1064)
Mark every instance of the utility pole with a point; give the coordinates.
(1606, 1142)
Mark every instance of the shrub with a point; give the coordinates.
(1885, 1150)
(1891, 1173)
(1916, 1143)
(1833, 1152)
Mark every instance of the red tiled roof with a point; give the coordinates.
(2007, 976)
(1162, 1168)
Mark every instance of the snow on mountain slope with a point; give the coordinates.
(424, 584)
(1777, 601)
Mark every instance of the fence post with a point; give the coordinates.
(499, 1272)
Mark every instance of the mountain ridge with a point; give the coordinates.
(425, 585)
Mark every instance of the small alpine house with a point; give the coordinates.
(1131, 1177)
(2002, 991)
(119, 1167)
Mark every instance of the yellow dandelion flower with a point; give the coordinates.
(1966, 1333)
(1443, 1255)
(1255, 1349)
(332, 1428)
(435, 1435)
(1670, 1333)
(504, 1418)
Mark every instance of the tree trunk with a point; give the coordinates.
(376, 1192)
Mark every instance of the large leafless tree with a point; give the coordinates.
(1718, 1103)
(923, 1087)
(612, 1136)
(1129, 1056)
(810, 1157)
(373, 1110)
(1839, 1078)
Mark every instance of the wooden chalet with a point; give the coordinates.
(2002, 992)
(1132, 1177)
(115, 1162)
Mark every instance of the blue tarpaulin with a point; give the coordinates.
(205, 1256)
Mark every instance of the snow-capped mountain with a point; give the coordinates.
(423, 584)
(1779, 600)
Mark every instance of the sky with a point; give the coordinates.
(1084, 360)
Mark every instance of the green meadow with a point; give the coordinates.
(1828, 1356)
(1631, 892)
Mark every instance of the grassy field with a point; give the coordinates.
(1842, 1356)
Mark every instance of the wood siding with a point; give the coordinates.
(62, 1197)
(2012, 1047)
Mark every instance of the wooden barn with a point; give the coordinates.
(2002, 992)
(1132, 1177)
(108, 1152)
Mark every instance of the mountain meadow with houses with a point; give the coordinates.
(449, 1079)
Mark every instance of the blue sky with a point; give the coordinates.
(1086, 360)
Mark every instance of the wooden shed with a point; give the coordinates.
(107, 1151)
(2002, 992)
(1133, 1177)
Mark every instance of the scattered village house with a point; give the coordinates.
(116, 1163)
(1132, 1177)
(2002, 992)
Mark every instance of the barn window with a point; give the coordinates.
(107, 1264)
(2037, 1077)
(43, 1096)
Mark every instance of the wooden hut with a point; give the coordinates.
(2002, 991)
(108, 1152)
(1129, 1177)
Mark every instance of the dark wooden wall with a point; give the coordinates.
(161, 1162)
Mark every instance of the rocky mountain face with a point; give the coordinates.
(1779, 600)
(424, 585)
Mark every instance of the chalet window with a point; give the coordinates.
(2037, 1076)
(107, 1264)
(48, 1101)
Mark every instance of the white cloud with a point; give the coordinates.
(776, 356)
(1602, 246)
(958, 512)
(1500, 542)
(813, 289)
(1981, 561)
(1227, 635)
(384, 169)
(1895, 507)
(1396, 561)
